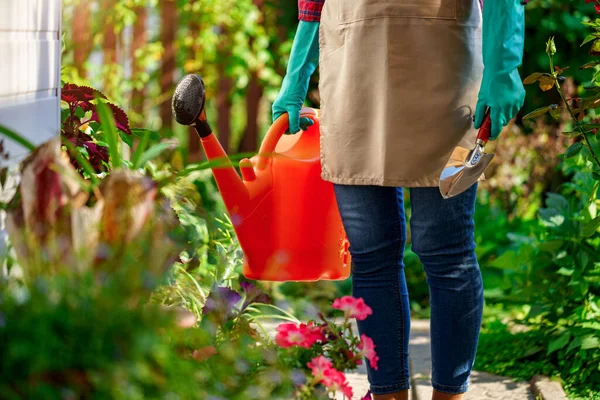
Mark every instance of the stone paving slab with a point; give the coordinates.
(547, 389)
(483, 385)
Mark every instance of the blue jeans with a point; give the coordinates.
(443, 238)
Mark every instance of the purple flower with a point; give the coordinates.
(220, 304)
(253, 295)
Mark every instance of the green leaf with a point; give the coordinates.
(551, 246)
(589, 127)
(571, 133)
(141, 133)
(111, 135)
(152, 153)
(508, 259)
(12, 135)
(565, 271)
(85, 164)
(557, 201)
(538, 112)
(591, 325)
(576, 343)
(596, 176)
(590, 342)
(574, 150)
(591, 64)
(591, 227)
(141, 147)
(218, 162)
(551, 217)
(128, 139)
(556, 112)
(595, 47)
(588, 39)
(559, 342)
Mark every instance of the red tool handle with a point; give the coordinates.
(485, 131)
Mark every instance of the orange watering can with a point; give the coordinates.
(285, 216)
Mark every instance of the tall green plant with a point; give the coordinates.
(558, 271)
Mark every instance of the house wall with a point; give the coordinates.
(30, 56)
(30, 51)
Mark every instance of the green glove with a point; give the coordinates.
(303, 63)
(503, 39)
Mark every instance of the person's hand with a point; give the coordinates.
(503, 40)
(504, 94)
(302, 64)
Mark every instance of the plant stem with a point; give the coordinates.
(577, 124)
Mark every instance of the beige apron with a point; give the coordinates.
(399, 81)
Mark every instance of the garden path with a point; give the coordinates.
(483, 386)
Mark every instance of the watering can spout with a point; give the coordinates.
(232, 188)
(188, 107)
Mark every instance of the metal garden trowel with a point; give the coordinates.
(455, 179)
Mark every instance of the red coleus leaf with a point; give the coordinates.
(97, 154)
(71, 126)
(81, 138)
(121, 119)
(87, 106)
(590, 1)
(72, 93)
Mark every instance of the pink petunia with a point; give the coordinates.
(367, 348)
(367, 396)
(336, 381)
(318, 366)
(303, 335)
(323, 371)
(353, 307)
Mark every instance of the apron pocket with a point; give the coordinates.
(331, 36)
(359, 10)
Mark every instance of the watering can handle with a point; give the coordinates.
(276, 131)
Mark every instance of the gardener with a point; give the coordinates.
(398, 82)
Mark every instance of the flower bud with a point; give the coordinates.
(551, 47)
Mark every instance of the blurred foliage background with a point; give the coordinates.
(537, 271)
(135, 51)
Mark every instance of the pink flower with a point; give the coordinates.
(367, 396)
(367, 348)
(303, 335)
(353, 307)
(318, 366)
(336, 381)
